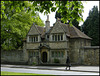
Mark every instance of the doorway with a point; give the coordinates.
(44, 57)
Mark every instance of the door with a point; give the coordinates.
(44, 57)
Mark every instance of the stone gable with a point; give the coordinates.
(33, 30)
(57, 28)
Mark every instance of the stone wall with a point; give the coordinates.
(58, 45)
(32, 45)
(79, 54)
(13, 56)
(74, 48)
(89, 55)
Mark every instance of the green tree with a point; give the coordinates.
(76, 24)
(63, 7)
(91, 25)
(15, 23)
(13, 31)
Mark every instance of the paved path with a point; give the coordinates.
(50, 72)
(94, 69)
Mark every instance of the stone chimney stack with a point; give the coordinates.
(47, 24)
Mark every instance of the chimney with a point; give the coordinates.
(47, 24)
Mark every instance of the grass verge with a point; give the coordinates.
(15, 73)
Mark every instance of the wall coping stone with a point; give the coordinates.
(13, 50)
(90, 47)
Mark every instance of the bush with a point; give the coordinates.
(34, 63)
(56, 61)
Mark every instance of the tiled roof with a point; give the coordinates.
(41, 29)
(71, 31)
(66, 28)
(76, 33)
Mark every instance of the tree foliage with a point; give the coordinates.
(76, 24)
(72, 20)
(63, 7)
(15, 27)
(13, 31)
(91, 25)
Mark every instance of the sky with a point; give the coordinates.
(88, 5)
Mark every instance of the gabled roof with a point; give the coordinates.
(71, 31)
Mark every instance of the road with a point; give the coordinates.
(51, 72)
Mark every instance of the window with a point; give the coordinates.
(61, 37)
(57, 54)
(52, 54)
(30, 39)
(53, 37)
(47, 36)
(36, 38)
(57, 37)
(33, 38)
(30, 54)
(62, 53)
(35, 53)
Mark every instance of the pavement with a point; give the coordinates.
(93, 69)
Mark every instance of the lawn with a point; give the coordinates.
(15, 73)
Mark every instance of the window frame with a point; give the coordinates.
(57, 37)
(33, 38)
(30, 39)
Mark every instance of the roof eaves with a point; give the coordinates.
(80, 34)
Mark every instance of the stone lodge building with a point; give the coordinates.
(48, 44)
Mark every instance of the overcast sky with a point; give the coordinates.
(88, 5)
